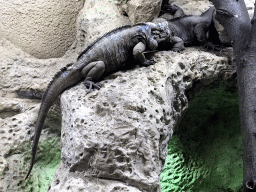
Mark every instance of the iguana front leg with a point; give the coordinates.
(200, 31)
(178, 44)
(92, 72)
(139, 56)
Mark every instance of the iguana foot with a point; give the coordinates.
(210, 45)
(178, 49)
(90, 84)
(148, 62)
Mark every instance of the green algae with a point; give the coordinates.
(48, 154)
(47, 162)
(205, 152)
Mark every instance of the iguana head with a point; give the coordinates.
(158, 33)
(165, 32)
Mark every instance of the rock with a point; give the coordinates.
(250, 7)
(44, 29)
(141, 11)
(95, 19)
(121, 132)
(115, 138)
(136, 109)
(20, 71)
(193, 7)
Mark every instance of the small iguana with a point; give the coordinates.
(107, 54)
(189, 29)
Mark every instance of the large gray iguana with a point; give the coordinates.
(189, 29)
(107, 54)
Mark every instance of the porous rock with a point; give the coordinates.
(114, 139)
(141, 11)
(129, 121)
(96, 18)
(120, 133)
(20, 72)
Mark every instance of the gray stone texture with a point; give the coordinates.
(44, 29)
(141, 11)
(114, 139)
(121, 132)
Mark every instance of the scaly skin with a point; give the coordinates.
(105, 55)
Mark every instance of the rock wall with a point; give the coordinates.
(115, 138)
(44, 29)
(21, 73)
(141, 11)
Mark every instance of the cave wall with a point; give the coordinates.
(205, 152)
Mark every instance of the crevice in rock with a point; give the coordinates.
(30, 94)
(199, 85)
(8, 113)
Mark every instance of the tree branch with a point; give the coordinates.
(233, 15)
(253, 22)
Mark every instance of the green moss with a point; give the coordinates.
(205, 153)
(47, 160)
(48, 155)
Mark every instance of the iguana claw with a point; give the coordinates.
(91, 84)
(148, 62)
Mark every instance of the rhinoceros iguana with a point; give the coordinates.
(190, 29)
(107, 54)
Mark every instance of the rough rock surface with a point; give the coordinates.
(95, 19)
(45, 29)
(141, 11)
(136, 109)
(193, 7)
(19, 72)
(121, 132)
(250, 7)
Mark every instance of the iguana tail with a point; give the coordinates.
(61, 81)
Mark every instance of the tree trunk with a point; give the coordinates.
(233, 15)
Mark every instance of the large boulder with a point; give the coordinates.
(44, 29)
(117, 137)
(95, 19)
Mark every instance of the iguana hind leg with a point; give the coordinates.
(202, 36)
(93, 72)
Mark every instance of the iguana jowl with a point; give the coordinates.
(188, 29)
(105, 55)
